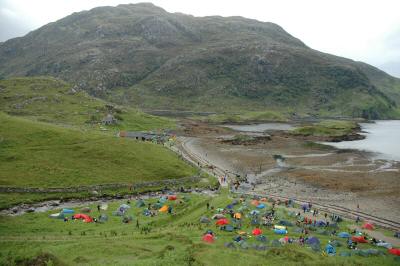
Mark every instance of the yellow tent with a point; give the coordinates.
(164, 208)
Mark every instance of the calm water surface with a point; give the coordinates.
(383, 138)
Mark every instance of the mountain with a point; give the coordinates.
(140, 54)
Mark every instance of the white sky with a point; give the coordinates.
(363, 30)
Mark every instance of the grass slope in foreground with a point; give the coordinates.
(161, 240)
(51, 100)
(38, 154)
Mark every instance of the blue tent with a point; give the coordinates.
(261, 206)
(229, 206)
(344, 235)
(67, 211)
(312, 241)
(330, 249)
(280, 231)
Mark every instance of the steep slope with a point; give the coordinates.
(144, 55)
(51, 100)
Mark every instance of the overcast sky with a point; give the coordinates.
(363, 30)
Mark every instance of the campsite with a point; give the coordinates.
(180, 229)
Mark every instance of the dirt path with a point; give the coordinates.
(322, 199)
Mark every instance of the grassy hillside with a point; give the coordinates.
(163, 240)
(43, 155)
(142, 55)
(51, 100)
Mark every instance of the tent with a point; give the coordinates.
(127, 219)
(67, 211)
(222, 221)
(237, 216)
(254, 212)
(103, 218)
(218, 216)
(280, 227)
(204, 220)
(330, 250)
(220, 210)
(228, 228)
(255, 202)
(261, 238)
(394, 251)
(86, 218)
(312, 241)
(264, 200)
(104, 206)
(59, 215)
(229, 245)
(208, 238)
(368, 226)
(256, 232)
(320, 223)
(86, 209)
(163, 208)
(384, 244)
(162, 199)
(397, 234)
(359, 239)
(230, 206)
(140, 203)
(280, 231)
(124, 207)
(344, 235)
(261, 206)
(285, 223)
(172, 197)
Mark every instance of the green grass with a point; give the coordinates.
(51, 100)
(160, 240)
(43, 155)
(326, 128)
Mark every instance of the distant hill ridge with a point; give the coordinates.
(140, 54)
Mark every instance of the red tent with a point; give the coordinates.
(209, 238)
(86, 218)
(255, 202)
(359, 239)
(394, 251)
(222, 221)
(172, 197)
(368, 226)
(257, 232)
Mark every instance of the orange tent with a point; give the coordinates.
(222, 221)
(368, 226)
(264, 200)
(237, 216)
(209, 238)
(255, 202)
(257, 232)
(164, 208)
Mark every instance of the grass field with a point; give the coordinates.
(246, 117)
(51, 100)
(161, 240)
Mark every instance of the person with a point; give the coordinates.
(137, 223)
(357, 219)
(65, 219)
(326, 215)
(169, 209)
(208, 205)
(98, 207)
